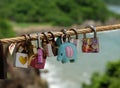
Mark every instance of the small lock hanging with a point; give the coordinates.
(47, 46)
(60, 38)
(38, 60)
(75, 41)
(67, 51)
(34, 45)
(59, 41)
(90, 45)
(40, 51)
(11, 48)
(21, 56)
(53, 44)
(29, 47)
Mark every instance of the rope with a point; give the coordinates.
(56, 34)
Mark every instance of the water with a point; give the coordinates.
(72, 75)
(114, 8)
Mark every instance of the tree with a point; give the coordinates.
(110, 79)
(57, 12)
(6, 29)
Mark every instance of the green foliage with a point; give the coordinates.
(6, 29)
(65, 12)
(110, 79)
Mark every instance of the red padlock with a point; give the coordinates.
(38, 61)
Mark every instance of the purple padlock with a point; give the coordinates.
(40, 55)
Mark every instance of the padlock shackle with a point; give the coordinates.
(38, 40)
(26, 42)
(52, 35)
(45, 37)
(26, 37)
(93, 29)
(65, 35)
(74, 30)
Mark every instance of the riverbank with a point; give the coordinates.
(44, 28)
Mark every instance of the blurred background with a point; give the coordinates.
(101, 70)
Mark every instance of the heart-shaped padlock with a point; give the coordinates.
(21, 55)
(90, 45)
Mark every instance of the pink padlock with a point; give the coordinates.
(38, 61)
(40, 55)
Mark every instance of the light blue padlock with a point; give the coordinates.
(67, 52)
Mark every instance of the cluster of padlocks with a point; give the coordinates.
(33, 53)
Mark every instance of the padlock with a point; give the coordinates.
(59, 41)
(21, 60)
(38, 60)
(34, 62)
(21, 55)
(90, 45)
(34, 44)
(53, 44)
(75, 40)
(47, 46)
(67, 51)
(40, 55)
(39, 51)
(12, 47)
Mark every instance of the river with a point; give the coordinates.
(114, 8)
(72, 75)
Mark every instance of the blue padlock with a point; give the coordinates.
(67, 51)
